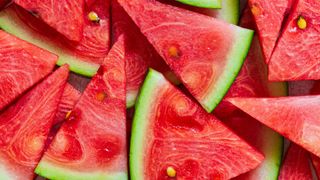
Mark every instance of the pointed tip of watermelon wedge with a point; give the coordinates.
(214, 4)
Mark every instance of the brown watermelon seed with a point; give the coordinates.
(174, 52)
(101, 96)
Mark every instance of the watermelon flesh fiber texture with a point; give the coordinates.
(64, 15)
(266, 13)
(252, 81)
(190, 46)
(290, 116)
(169, 129)
(91, 144)
(297, 54)
(26, 124)
(296, 164)
(139, 56)
(22, 65)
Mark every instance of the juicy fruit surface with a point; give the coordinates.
(14, 21)
(24, 127)
(296, 164)
(169, 129)
(22, 65)
(63, 15)
(91, 144)
(290, 116)
(69, 98)
(252, 82)
(196, 47)
(266, 13)
(297, 54)
(139, 53)
(96, 34)
(316, 164)
(203, 3)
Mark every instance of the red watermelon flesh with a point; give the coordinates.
(175, 131)
(269, 16)
(69, 98)
(63, 15)
(252, 82)
(4, 3)
(96, 35)
(197, 48)
(140, 54)
(290, 116)
(91, 144)
(297, 54)
(22, 65)
(26, 124)
(296, 164)
(316, 164)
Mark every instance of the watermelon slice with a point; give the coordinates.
(64, 15)
(290, 116)
(171, 134)
(316, 164)
(296, 164)
(186, 40)
(297, 54)
(266, 13)
(140, 54)
(252, 81)
(69, 98)
(91, 144)
(203, 3)
(22, 65)
(83, 57)
(25, 126)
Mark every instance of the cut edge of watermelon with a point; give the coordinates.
(12, 24)
(131, 98)
(4, 174)
(47, 169)
(234, 62)
(139, 126)
(213, 4)
(230, 11)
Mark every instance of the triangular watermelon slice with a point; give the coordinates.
(296, 118)
(297, 55)
(139, 55)
(205, 53)
(69, 98)
(64, 15)
(296, 164)
(172, 136)
(91, 144)
(25, 126)
(22, 65)
(252, 81)
(269, 16)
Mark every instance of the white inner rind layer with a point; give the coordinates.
(54, 172)
(11, 23)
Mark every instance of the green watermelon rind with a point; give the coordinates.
(12, 24)
(234, 62)
(230, 11)
(140, 124)
(214, 4)
(48, 169)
